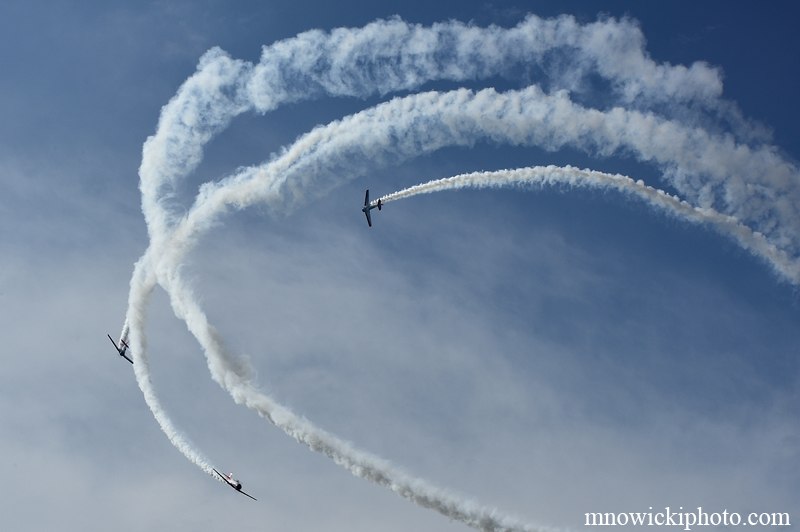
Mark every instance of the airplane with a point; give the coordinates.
(232, 482)
(120, 350)
(368, 207)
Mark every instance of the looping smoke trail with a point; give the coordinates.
(729, 226)
(234, 376)
(391, 55)
(707, 169)
(673, 117)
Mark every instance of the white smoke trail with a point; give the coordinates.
(748, 239)
(233, 374)
(141, 287)
(322, 144)
(712, 170)
(735, 173)
(755, 185)
(391, 55)
(379, 471)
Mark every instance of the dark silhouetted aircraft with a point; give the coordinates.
(121, 348)
(368, 207)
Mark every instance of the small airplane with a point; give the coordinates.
(368, 207)
(232, 482)
(121, 348)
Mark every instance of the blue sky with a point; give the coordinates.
(549, 352)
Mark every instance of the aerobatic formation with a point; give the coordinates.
(673, 117)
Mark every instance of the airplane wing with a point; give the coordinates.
(126, 358)
(243, 493)
(113, 342)
(223, 477)
(366, 208)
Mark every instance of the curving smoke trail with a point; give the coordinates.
(233, 374)
(707, 169)
(673, 117)
(141, 287)
(729, 226)
(386, 56)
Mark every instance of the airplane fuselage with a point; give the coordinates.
(232, 482)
